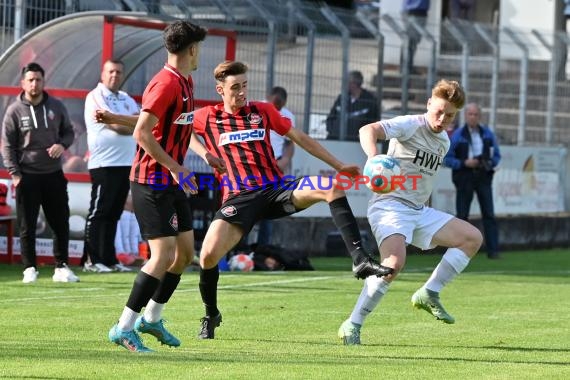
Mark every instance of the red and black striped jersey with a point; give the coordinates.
(168, 96)
(242, 140)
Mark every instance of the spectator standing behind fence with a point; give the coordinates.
(362, 109)
(283, 149)
(472, 156)
(414, 10)
(463, 9)
(35, 133)
(561, 46)
(111, 153)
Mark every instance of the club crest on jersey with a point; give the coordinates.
(229, 211)
(241, 136)
(185, 118)
(254, 118)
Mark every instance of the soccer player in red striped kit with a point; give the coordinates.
(163, 131)
(237, 131)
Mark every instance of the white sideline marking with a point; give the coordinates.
(250, 285)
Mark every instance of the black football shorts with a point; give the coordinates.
(250, 206)
(161, 212)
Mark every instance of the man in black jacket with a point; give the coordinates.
(35, 132)
(362, 110)
(473, 155)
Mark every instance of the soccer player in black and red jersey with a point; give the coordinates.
(159, 185)
(237, 131)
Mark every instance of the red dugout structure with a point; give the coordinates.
(72, 50)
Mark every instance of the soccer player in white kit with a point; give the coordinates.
(419, 143)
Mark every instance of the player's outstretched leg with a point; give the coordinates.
(157, 330)
(368, 267)
(428, 300)
(362, 264)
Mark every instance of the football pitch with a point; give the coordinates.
(513, 322)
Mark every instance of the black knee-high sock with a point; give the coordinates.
(209, 290)
(167, 286)
(346, 223)
(143, 288)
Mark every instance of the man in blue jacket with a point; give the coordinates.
(473, 155)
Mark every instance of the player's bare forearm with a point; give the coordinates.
(144, 137)
(109, 118)
(369, 135)
(314, 148)
(121, 129)
(198, 147)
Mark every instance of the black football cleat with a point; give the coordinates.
(369, 267)
(209, 324)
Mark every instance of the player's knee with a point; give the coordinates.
(183, 261)
(337, 190)
(208, 259)
(398, 267)
(162, 261)
(396, 263)
(473, 241)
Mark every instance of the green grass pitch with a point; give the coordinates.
(513, 322)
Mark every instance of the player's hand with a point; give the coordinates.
(55, 151)
(216, 163)
(186, 180)
(103, 116)
(350, 170)
(16, 180)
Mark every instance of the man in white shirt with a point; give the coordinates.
(111, 153)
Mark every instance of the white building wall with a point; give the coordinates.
(522, 16)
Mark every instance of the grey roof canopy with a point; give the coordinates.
(69, 49)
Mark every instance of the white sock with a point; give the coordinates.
(451, 264)
(128, 319)
(153, 311)
(372, 292)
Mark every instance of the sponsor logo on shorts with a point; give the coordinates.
(229, 211)
(174, 222)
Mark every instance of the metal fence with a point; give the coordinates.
(517, 76)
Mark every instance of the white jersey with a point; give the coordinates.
(107, 147)
(278, 141)
(420, 152)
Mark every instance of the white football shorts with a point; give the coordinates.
(389, 217)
